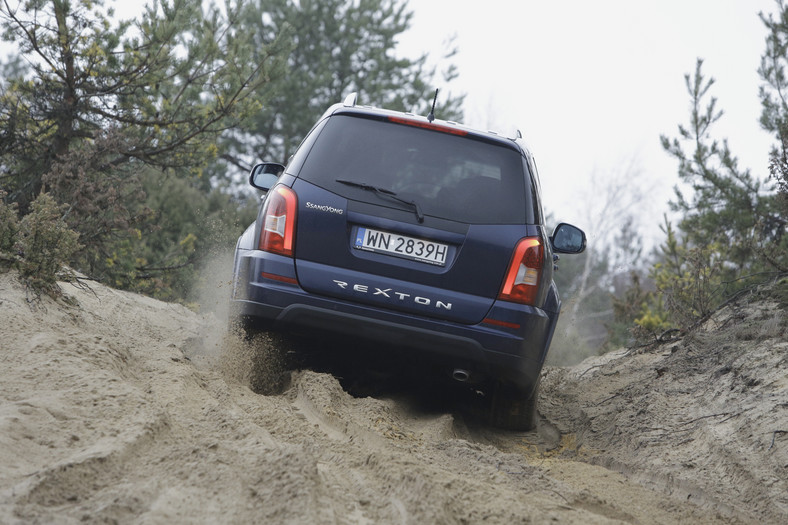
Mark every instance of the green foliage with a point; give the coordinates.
(188, 227)
(638, 314)
(732, 227)
(158, 92)
(121, 120)
(774, 118)
(89, 104)
(729, 222)
(9, 230)
(44, 244)
(778, 170)
(40, 245)
(653, 319)
(728, 206)
(776, 251)
(105, 202)
(341, 46)
(772, 71)
(687, 278)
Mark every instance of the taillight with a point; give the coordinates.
(521, 284)
(279, 215)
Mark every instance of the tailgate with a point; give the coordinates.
(381, 255)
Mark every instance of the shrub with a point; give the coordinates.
(44, 244)
(9, 228)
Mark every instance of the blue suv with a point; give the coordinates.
(413, 232)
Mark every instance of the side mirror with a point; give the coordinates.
(264, 175)
(568, 239)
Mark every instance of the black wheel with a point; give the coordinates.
(512, 408)
(268, 374)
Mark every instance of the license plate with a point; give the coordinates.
(401, 246)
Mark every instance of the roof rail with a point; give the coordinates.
(350, 100)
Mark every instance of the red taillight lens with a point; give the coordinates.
(521, 284)
(279, 215)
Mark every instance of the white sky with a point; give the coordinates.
(593, 84)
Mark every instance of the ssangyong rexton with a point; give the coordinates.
(413, 232)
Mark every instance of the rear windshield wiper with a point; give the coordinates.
(383, 192)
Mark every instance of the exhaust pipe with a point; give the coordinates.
(460, 375)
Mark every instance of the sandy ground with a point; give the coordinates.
(124, 409)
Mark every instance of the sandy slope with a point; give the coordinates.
(126, 409)
(704, 418)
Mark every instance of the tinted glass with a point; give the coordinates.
(450, 176)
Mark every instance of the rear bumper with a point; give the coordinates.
(510, 344)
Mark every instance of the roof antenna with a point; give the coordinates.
(431, 116)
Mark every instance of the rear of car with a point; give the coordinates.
(389, 227)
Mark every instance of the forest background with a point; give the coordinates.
(125, 144)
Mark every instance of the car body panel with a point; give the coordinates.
(491, 349)
(450, 310)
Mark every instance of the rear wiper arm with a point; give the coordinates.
(383, 192)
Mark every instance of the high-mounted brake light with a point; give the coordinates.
(279, 215)
(428, 125)
(521, 284)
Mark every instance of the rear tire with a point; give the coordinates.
(263, 355)
(513, 408)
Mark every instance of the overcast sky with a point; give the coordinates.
(593, 84)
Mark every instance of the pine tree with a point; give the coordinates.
(731, 232)
(341, 46)
(101, 100)
(774, 118)
(726, 203)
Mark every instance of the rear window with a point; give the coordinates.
(451, 177)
